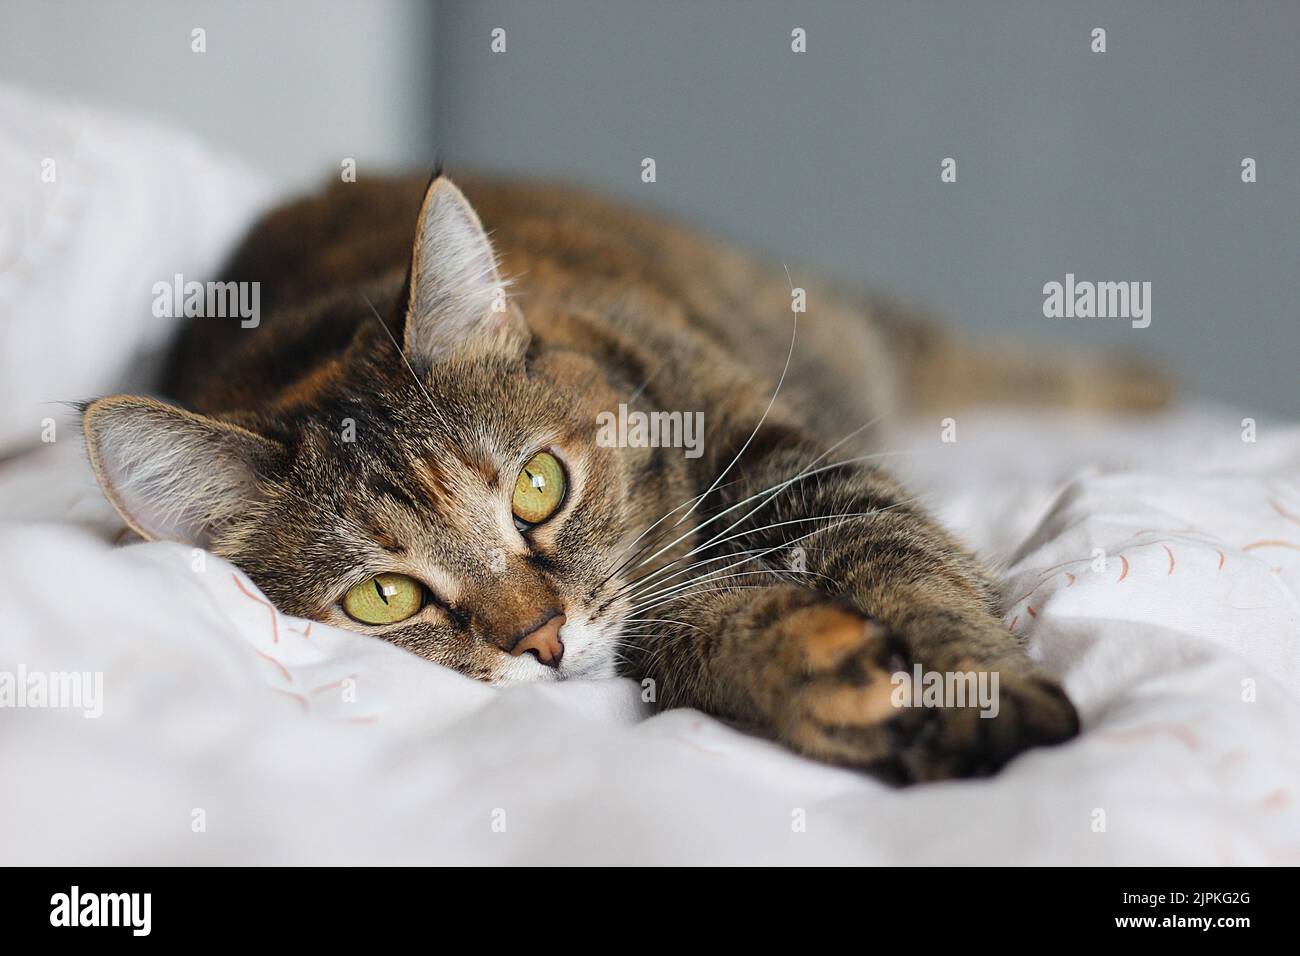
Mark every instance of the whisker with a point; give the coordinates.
(756, 554)
(778, 488)
(772, 401)
(649, 544)
(387, 331)
(659, 620)
(772, 488)
(638, 583)
(689, 587)
(728, 590)
(639, 537)
(642, 387)
(855, 515)
(840, 519)
(699, 498)
(744, 501)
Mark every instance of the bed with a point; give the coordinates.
(1153, 565)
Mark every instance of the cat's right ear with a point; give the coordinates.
(457, 303)
(173, 475)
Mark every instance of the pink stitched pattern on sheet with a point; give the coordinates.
(1271, 543)
(333, 685)
(275, 628)
(1045, 575)
(284, 671)
(306, 704)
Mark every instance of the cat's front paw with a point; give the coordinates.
(1016, 709)
(839, 700)
(857, 699)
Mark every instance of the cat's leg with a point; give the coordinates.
(812, 664)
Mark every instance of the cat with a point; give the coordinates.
(406, 446)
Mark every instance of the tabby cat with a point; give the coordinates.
(406, 446)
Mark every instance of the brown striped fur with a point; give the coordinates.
(606, 306)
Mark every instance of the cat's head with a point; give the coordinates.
(449, 497)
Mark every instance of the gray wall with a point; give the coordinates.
(293, 86)
(1114, 166)
(1122, 165)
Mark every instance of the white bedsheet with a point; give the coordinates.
(308, 744)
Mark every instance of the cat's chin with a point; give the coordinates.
(588, 651)
(592, 668)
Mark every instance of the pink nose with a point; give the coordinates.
(544, 642)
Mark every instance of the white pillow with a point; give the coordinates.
(130, 204)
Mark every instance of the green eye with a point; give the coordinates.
(384, 599)
(539, 489)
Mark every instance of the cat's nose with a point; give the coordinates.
(543, 641)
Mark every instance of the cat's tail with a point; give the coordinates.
(942, 371)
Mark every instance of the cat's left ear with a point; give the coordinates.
(457, 305)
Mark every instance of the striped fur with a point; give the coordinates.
(669, 569)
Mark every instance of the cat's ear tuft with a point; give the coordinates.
(171, 474)
(457, 304)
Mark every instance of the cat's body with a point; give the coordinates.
(668, 296)
(773, 580)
